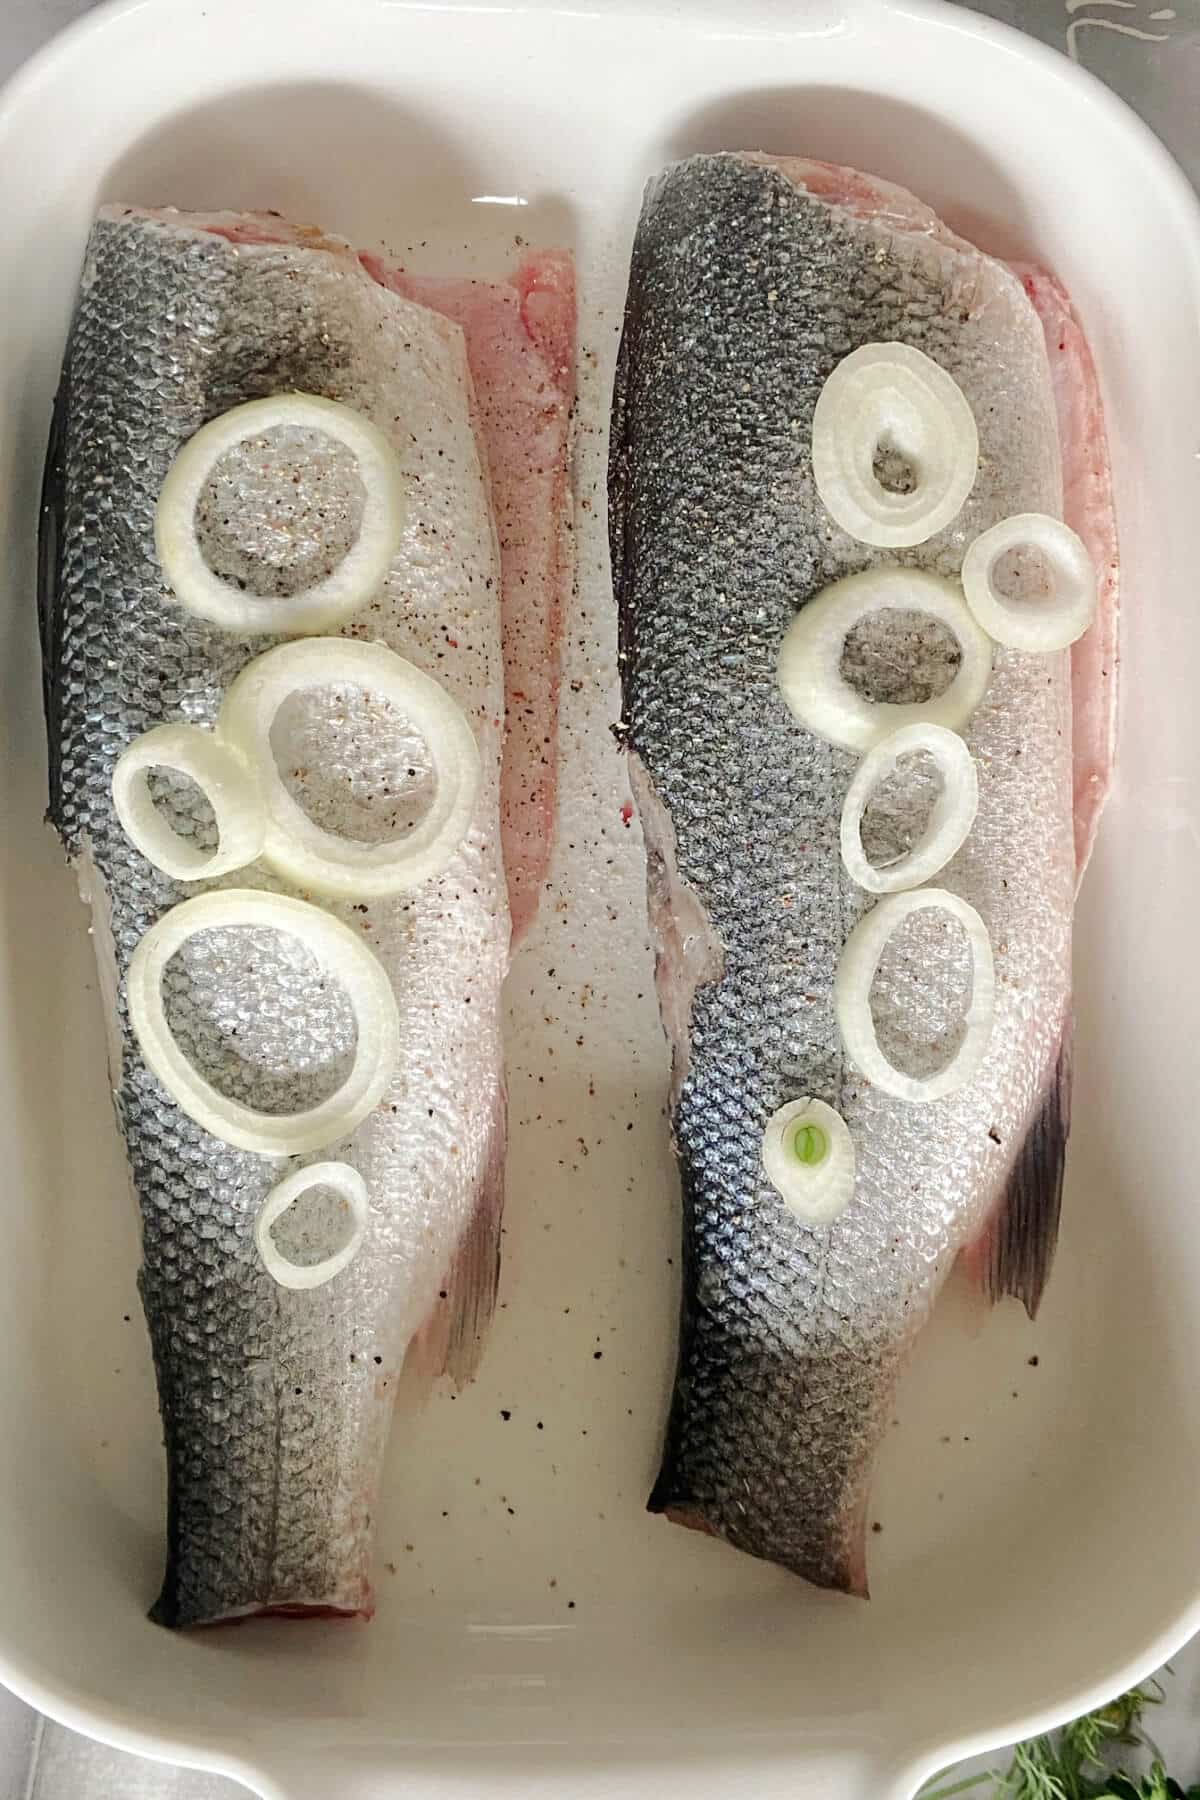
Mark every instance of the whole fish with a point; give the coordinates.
(276, 1401)
(750, 281)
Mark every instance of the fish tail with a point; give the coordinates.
(1013, 1254)
(843, 1571)
(270, 1529)
(820, 1533)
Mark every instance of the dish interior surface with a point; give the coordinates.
(1035, 1540)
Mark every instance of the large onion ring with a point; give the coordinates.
(358, 576)
(346, 957)
(810, 657)
(808, 1157)
(1035, 625)
(224, 778)
(951, 816)
(852, 995)
(345, 1181)
(896, 394)
(319, 860)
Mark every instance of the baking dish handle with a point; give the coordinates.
(328, 1776)
(337, 1774)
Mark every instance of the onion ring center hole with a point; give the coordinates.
(900, 657)
(353, 762)
(893, 467)
(259, 1018)
(280, 510)
(1022, 576)
(921, 993)
(184, 806)
(897, 814)
(314, 1226)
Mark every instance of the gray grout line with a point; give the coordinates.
(35, 1752)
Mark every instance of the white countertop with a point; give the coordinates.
(1151, 54)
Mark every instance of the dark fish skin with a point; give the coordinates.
(745, 291)
(275, 1402)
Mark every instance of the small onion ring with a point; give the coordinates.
(227, 783)
(349, 1184)
(896, 391)
(358, 576)
(340, 951)
(810, 657)
(852, 995)
(814, 1190)
(951, 816)
(1037, 625)
(319, 860)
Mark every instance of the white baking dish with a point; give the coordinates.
(1039, 1543)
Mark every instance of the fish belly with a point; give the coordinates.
(520, 337)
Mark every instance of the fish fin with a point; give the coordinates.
(451, 1340)
(1013, 1254)
(474, 1280)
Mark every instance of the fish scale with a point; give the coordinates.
(745, 291)
(275, 1402)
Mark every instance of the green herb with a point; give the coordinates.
(1082, 1761)
(809, 1145)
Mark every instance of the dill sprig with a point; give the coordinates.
(1080, 1762)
